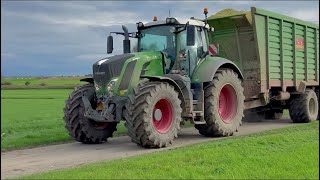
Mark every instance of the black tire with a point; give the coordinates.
(80, 128)
(140, 117)
(215, 125)
(304, 108)
(273, 114)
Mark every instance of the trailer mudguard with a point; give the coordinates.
(208, 67)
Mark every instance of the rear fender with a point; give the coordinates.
(206, 70)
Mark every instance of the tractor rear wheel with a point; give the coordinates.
(80, 128)
(304, 108)
(153, 116)
(224, 105)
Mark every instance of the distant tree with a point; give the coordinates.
(43, 84)
(27, 83)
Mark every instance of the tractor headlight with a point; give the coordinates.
(111, 84)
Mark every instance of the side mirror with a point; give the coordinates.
(190, 35)
(109, 44)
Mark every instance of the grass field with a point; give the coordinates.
(289, 153)
(47, 81)
(34, 117)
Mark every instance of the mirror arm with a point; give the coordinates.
(204, 54)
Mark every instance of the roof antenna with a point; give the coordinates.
(169, 13)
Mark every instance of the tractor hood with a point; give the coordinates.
(107, 68)
(127, 68)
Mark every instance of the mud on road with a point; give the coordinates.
(40, 159)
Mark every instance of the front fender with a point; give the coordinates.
(207, 68)
(89, 80)
(143, 63)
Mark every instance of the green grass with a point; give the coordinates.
(47, 81)
(34, 117)
(289, 153)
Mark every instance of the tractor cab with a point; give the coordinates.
(182, 42)
(179, 40)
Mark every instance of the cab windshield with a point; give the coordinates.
(161, 38)
(158, 38)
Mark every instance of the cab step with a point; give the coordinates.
(198, 117)
(197, 113)
(199, 122)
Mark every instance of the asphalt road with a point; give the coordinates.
(40, 159)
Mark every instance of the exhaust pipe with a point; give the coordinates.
(126, 41)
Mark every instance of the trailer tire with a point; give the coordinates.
(304, 108)
(153, 114)
(80, 128)
(223, 93)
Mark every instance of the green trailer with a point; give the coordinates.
(278, 55)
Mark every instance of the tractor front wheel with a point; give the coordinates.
(80, 128)
(153, 116)
(224, 105)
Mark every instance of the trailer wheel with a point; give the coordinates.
(304, 108)
(153, 115)
(224, 105)
(80, 128)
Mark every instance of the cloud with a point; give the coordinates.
(306, 14)
(7, 55)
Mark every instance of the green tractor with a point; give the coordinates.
(170, 79)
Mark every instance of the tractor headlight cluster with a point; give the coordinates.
(111, 84)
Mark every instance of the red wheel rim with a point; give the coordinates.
(227, 103)
(162, 115)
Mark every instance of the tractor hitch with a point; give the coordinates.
(90, 113)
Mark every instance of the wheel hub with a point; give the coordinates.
(163, 115)
(227, 103)
(157, 114)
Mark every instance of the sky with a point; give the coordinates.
(53, 38)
